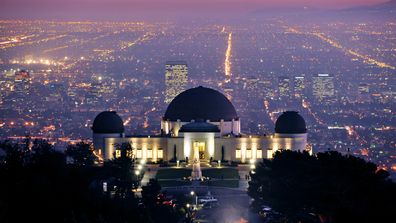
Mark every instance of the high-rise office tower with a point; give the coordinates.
(323, 88)
(251, 87)
(56, 92)
(364, 93)
(299, 86)
(22, 82)
(269, 88)
(284, 87)
(251, 83)
(175, 79)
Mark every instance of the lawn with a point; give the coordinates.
(221, 173)
(173, 183)
(222, 183)
(171, 177)
(173, 173)
(218, 173)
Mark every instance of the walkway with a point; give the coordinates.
(243, 171)
(149, 174)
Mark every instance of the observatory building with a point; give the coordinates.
(199, 121)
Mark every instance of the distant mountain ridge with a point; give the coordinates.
(383, 7)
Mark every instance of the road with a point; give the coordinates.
(233, 207)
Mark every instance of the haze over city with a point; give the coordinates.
(159, 9)
(202, 100)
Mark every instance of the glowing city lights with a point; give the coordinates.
(227, 61)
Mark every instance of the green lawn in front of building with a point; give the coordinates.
(221, 173)
(173, 173)
(179, 173)
(173, 183)
(222, 183)
(220, 177)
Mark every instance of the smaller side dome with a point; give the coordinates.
(290, 122)
(108, 122)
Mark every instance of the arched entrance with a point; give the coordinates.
(199, 148)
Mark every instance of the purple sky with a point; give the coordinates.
(97, 8)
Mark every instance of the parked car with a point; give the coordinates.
(265, 211)
(210, 204)
(207, 199)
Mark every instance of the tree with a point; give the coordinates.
(38, 178)
(335, 187)
(15, 155)
(222, 153)
(121, 168)
(158, 211)
(35, 177)
(81, 153)
(174, 154)
(150, 192)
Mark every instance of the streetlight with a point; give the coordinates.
(192, 193)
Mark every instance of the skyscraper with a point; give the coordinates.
(323, 88)
(175, 79)
(364, 93)
(251, 87)
(284, 87)
(56, 93)
(7, 82)
(268, 88)
(22, 82)
(299, 86)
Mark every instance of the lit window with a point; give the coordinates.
(118, 153)
(269, 154)
(160, 154)
(259, 154)
(139, 154)
(133, 153)
(150, 153)
(238, 153)
(130, 153)
(249, 153)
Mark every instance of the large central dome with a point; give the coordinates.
(200, 103)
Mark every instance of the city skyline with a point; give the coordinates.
(79, 69)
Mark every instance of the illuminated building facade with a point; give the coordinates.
(254, 93)
(299, 87)
(323, 88)
(363, 93)
(204, 120)
(6, 84)
(22, 82)
(284, 87)
(176, 79)
(57, 92)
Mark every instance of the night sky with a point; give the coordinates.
(130, 8)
